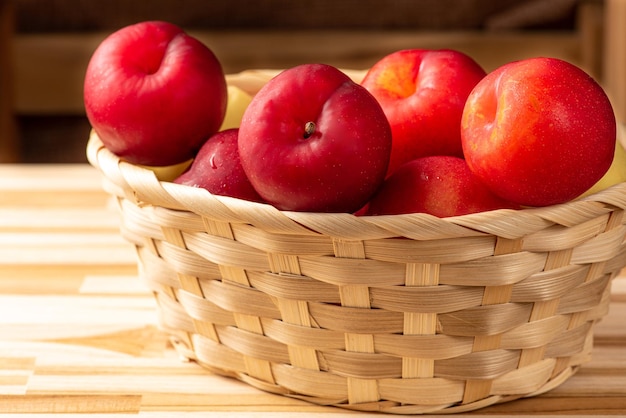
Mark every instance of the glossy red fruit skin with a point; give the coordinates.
(336, 168)
(442, 186)
(154, 94)
(423, 93)
(217, 168)
(538, 131)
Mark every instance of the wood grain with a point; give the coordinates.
(79, 334)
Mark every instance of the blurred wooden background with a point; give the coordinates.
(45, 46)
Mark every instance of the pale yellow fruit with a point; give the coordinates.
(615, 174)
(238, 101)
(170, 172)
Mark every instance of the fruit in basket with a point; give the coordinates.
(154, 94)
(538, 131)
(314, 140)
(238, 101)
(423, 93)
(439, 185)
(217, 168)
(615, 174)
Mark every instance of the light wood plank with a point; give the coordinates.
(69, 186)
(70, 404)
(61, 219)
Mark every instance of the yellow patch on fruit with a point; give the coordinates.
(616, 172)
(170, 172)
(238, 101)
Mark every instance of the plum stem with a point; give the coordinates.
(309, 129)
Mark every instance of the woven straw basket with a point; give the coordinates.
(403, 314)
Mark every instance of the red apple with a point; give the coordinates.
(314, 140)
(538, 131)
(154, 94)
(439, 185)
(217, 168)
(423, 93)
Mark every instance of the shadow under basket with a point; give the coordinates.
(404, 314)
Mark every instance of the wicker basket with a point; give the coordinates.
(402, 314)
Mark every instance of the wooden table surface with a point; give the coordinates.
(78, 332)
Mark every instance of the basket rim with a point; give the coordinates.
(97, 152)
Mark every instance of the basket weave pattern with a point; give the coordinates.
(403, 314)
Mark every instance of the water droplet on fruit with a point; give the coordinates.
(212, 162)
